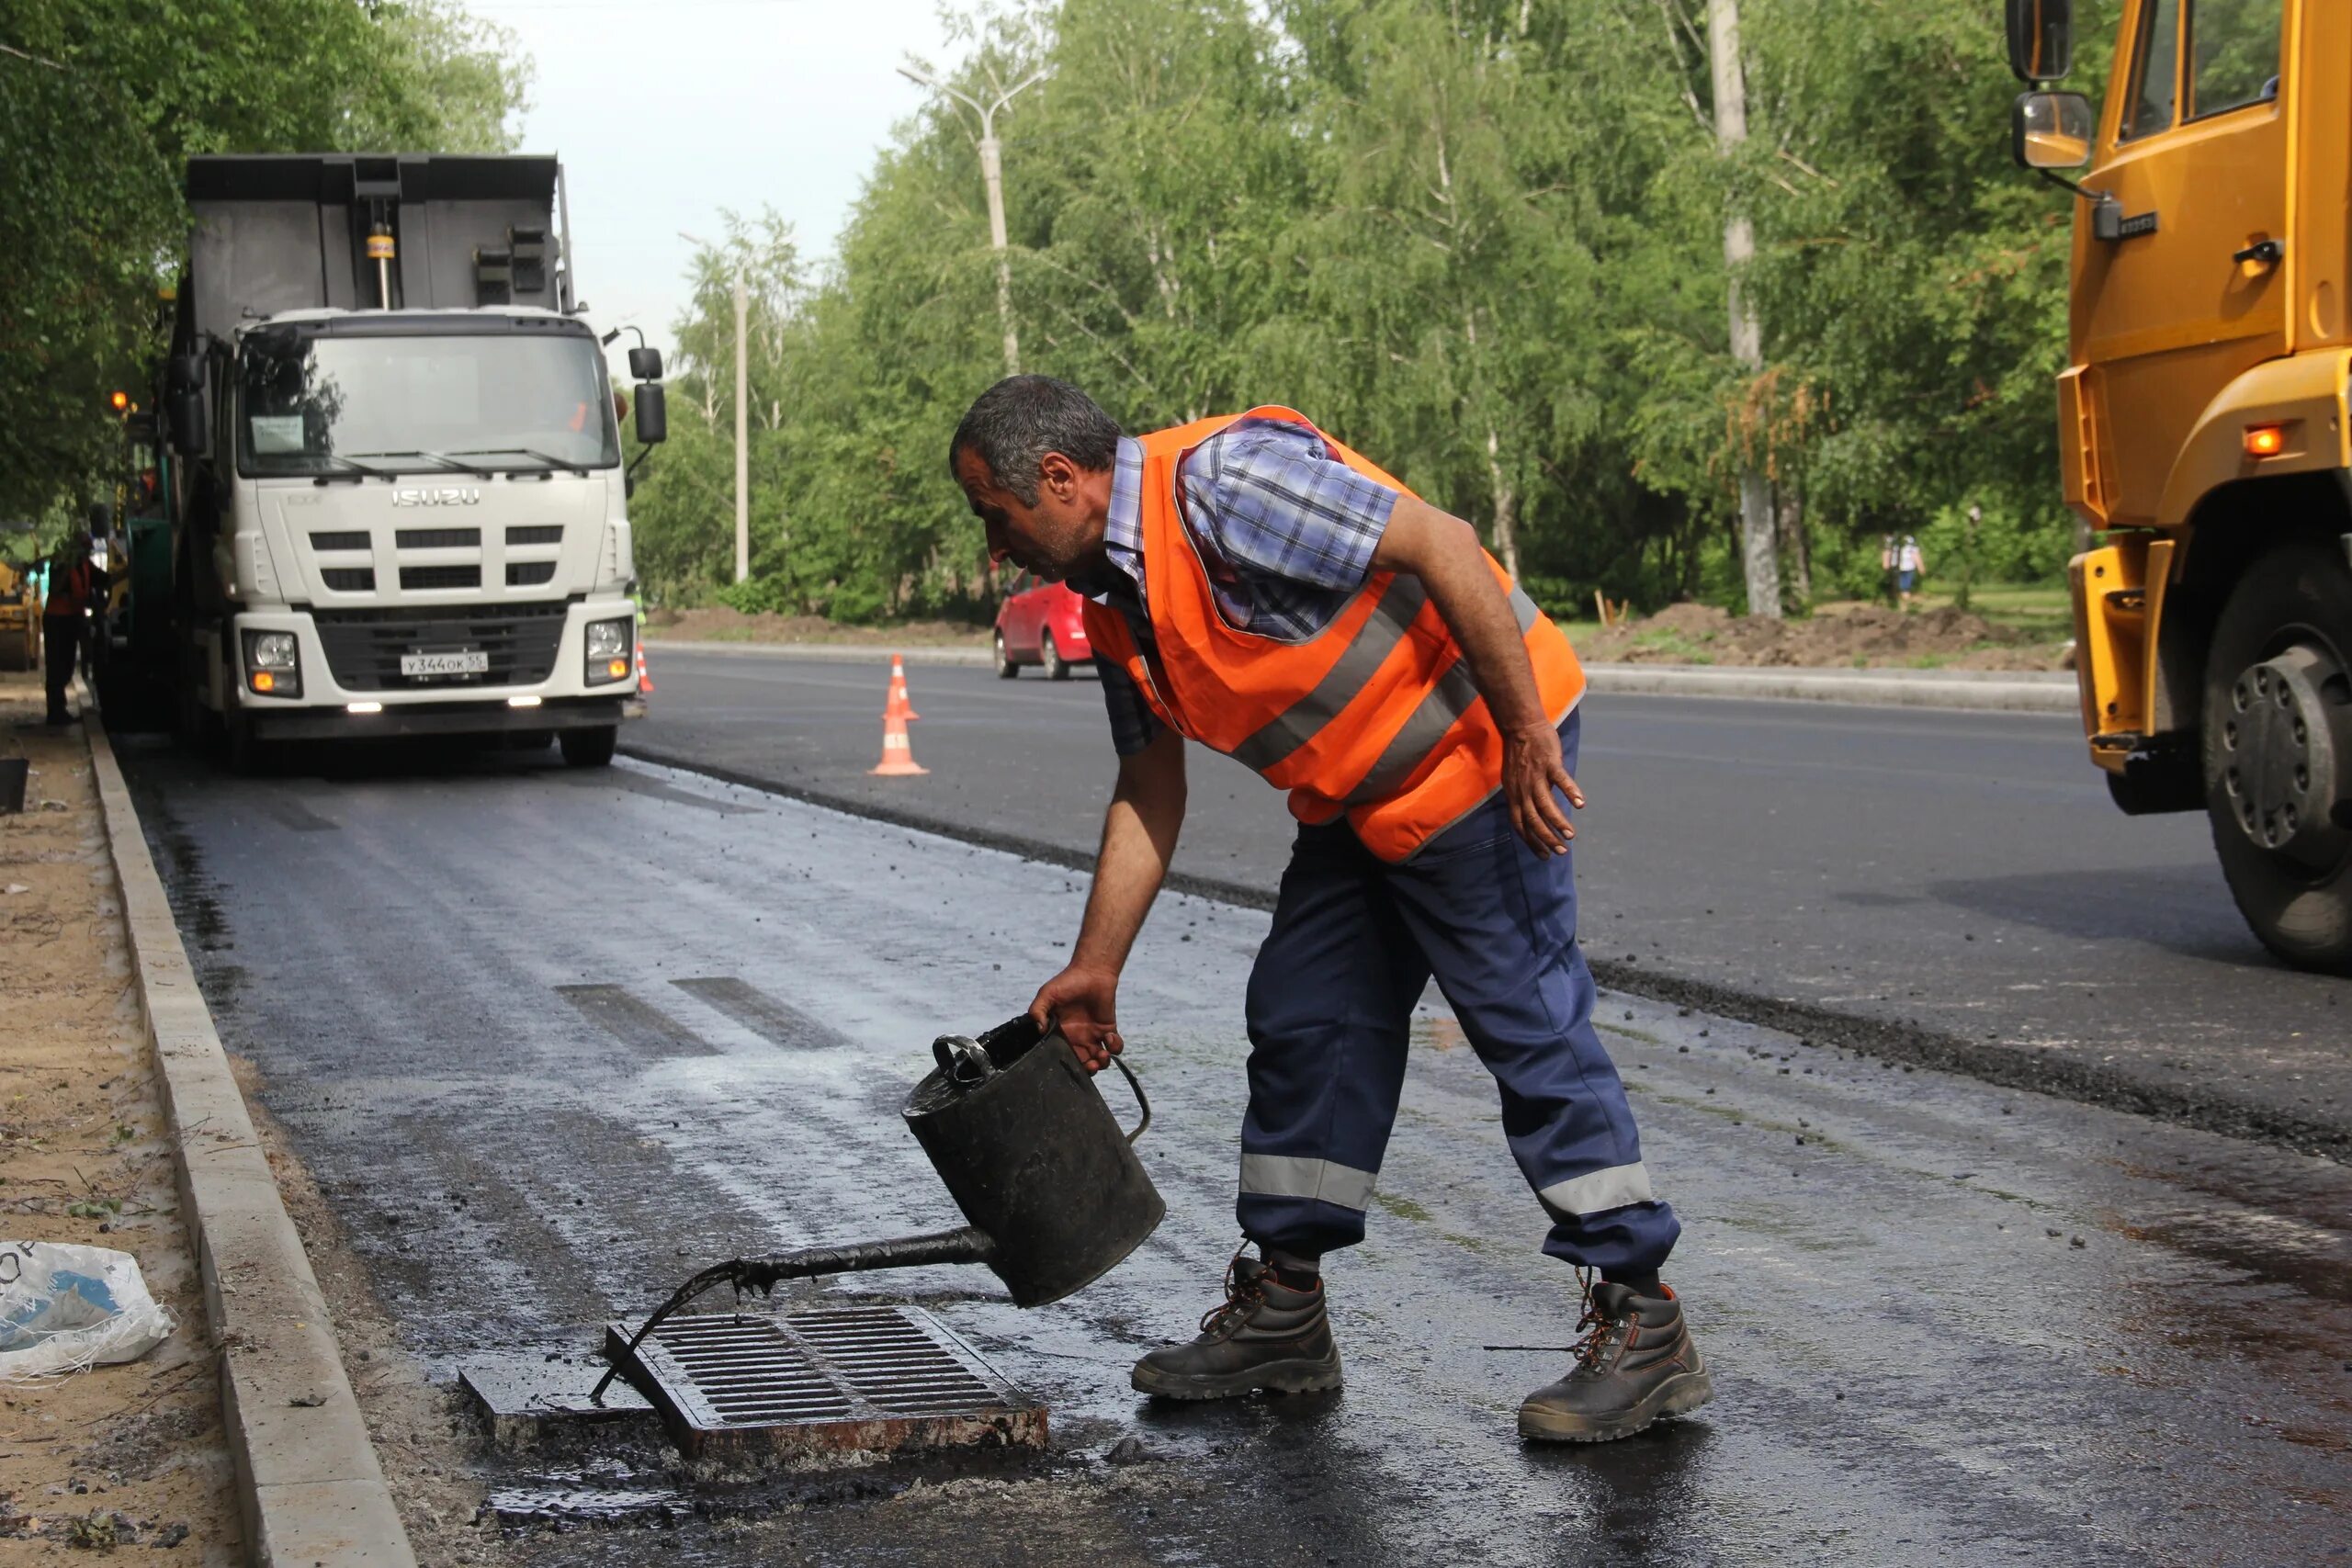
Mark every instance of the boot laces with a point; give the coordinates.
(1600, 1333)
(1242, 1296)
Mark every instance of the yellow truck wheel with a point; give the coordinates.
(2278, 741)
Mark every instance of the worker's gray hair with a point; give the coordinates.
(1014, 424)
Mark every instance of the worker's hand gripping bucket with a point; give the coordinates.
(1032, 1155)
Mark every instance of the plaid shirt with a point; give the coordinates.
(1285, 532)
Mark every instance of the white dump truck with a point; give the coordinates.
(395, 470)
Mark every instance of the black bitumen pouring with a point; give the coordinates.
(1049, 1183)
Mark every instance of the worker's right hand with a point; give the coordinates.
(1083, 1003)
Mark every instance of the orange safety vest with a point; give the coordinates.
(1375, 716)
(69, 594)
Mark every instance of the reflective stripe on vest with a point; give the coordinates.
(1377, 716)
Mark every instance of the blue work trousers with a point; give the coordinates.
(1355, 940)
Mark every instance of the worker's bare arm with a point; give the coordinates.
(1138, 838)
(1443, 552)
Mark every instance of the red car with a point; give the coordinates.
(1039, 623)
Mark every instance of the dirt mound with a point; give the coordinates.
(719, 624)
(1836, 635)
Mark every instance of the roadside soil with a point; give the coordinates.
(118, 1456)
(1853, 636)
(719, 624)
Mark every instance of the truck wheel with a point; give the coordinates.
(247, 756)
(2278, 744)
(589, 747)
(1056, 667)
(1005, 668)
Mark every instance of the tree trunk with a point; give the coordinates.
(1795, 548)
(1506, 507)
(1756, 523)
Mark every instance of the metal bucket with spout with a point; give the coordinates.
(1035, 1158)
(1032, 1155)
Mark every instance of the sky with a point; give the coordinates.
(665, 111)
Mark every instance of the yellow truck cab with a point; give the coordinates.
(2204, 430)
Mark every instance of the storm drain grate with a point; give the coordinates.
(834, 1379)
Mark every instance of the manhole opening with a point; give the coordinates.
(880, 1379)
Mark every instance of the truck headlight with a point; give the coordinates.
(609, 650)
(274, 664)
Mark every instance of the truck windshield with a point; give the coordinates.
(312, 403)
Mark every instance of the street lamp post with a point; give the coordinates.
(743, 439)
(992, 175)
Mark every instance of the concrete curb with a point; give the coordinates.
(1978, 689)
(2027, 692)
(308, 1481)
(824, 652)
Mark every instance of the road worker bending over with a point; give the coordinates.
(1254, 585)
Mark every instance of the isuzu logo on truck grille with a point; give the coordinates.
(419, 495)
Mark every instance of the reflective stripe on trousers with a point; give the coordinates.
(1354, 942)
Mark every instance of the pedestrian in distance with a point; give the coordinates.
(1910, 565)
(1254, 585)
(1887, 555)
(76, 586)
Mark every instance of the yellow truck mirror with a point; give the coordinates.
(2052, 131)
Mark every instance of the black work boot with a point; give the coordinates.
(1635, 1364)
(1267, 1335)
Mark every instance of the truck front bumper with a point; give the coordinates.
(441, 719)
(545, 687)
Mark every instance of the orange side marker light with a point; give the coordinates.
(2265, 440)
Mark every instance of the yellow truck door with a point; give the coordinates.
(2195, 151)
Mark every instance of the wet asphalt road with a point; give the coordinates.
(1949, 1322)
(1952, 887)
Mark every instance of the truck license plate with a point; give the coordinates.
(474, 662)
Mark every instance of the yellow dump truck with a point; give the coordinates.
(2205, 432)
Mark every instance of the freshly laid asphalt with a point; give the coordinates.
(1947, 888)
(1949, 1322)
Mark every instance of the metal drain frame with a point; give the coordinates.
(821, 1381)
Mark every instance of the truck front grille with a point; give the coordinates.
(537, 534)
(529, 574)
(423, 579)
(349, 579)
(364, 647)
(439, 538)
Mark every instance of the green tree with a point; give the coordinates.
(101, 102)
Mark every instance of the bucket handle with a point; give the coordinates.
(1141, 1104)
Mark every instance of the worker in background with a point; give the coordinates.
(76, 586)
(1910, 565)
(1258, 587)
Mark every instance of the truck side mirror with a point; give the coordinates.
(184, 403)
(2052, 131)
(2042, 40)
(645, 364)
(653, 414)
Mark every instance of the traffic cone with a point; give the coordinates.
(901, 703)
(898, 752)
(644, 677)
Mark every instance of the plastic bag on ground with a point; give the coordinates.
(65, 1308)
